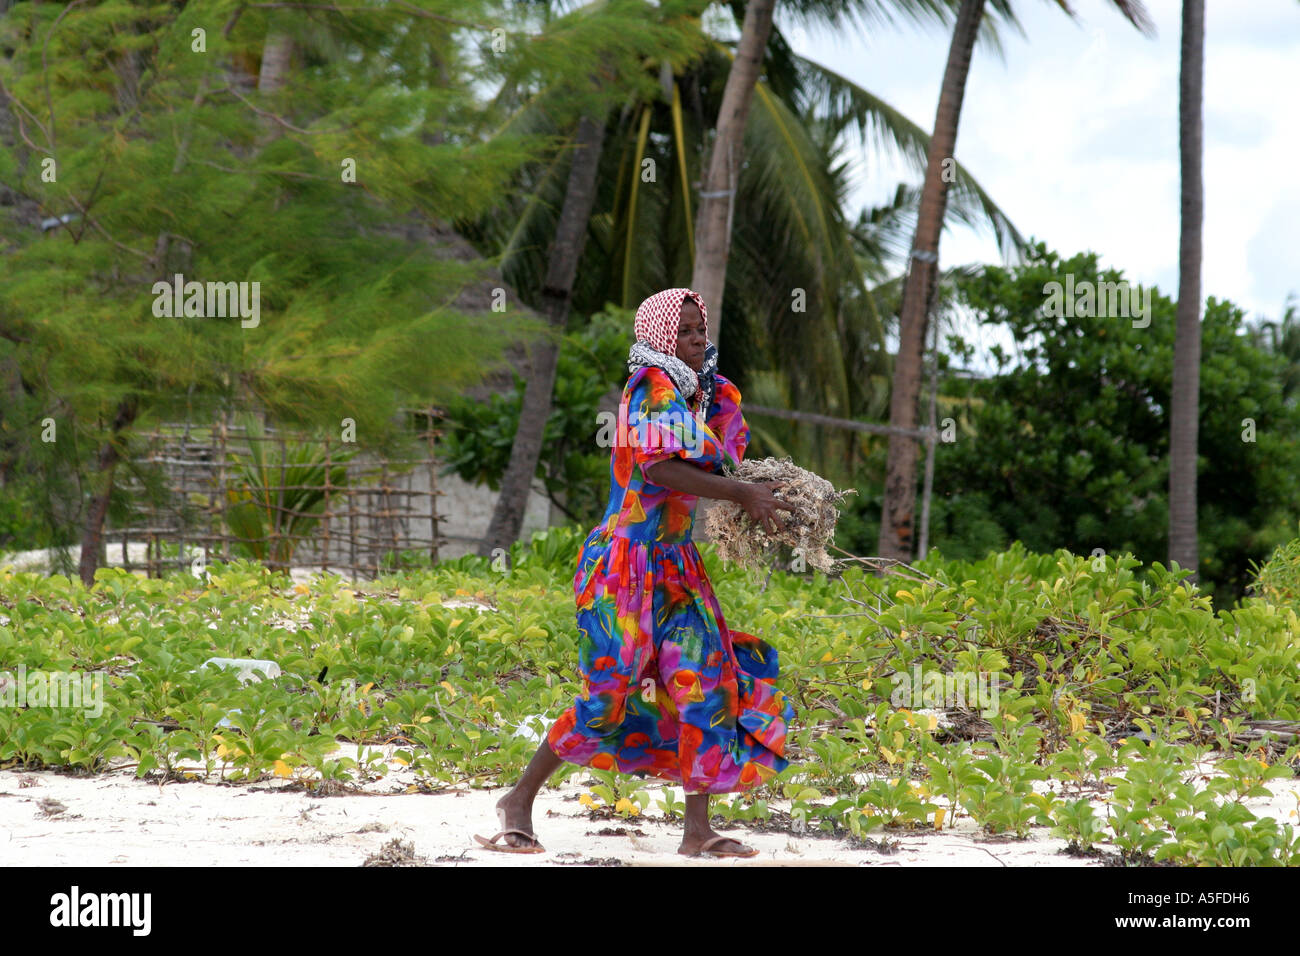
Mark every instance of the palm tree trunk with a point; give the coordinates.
(1187, 344)
(896, 522)
(570, 236)
(718, 192)
(277, 59)
(92, 535)
(277, 54)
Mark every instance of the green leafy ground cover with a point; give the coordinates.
(1113, 685)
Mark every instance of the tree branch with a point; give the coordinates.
(269, 115)
(104, 232)
(559, 504)
(234, 18)
(335, 8)
(262, 172)
(6, 334)
(21, 131)
(45, 66)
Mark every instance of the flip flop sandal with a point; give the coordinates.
(506, 847)
(705, 848)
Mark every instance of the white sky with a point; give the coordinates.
(1075, 136)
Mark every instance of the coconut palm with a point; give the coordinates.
(1187, 342)
(588, 28)
(1282, 338)
(718, 195)
(896, 522)
(719, 190)
(571, 235)
(1184, 401)
(796, 277)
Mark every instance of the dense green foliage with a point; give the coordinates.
(1066, 445)
(164, 137)
(592, 367)
(1108, 690)
(165, 170)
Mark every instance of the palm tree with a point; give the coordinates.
(1282, 338)
(717, 197)
(718, 194)
(896, 522)
(789, 232)
(1187, 343)
(570, 236)
(585, 28)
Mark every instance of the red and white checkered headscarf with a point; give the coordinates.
(659, 316)
(656, 326)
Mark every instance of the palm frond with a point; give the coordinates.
(845, 103)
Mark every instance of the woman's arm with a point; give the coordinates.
(689, 479)
(755, 497)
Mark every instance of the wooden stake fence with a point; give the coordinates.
(379, 506)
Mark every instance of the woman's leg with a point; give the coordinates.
(698, 829)
(518, 807)
(518, 803)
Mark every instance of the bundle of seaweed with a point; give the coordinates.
(808, 530)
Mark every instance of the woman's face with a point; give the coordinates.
(692, 335)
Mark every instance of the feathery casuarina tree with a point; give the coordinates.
(267, 154)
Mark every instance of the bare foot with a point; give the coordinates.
(691, 843)
(518, 816)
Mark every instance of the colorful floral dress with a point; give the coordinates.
(669, 690)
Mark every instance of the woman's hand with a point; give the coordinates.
(761, 505)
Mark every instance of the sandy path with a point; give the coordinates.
(114, 819)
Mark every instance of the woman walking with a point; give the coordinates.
(669, 690)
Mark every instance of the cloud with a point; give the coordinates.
(1272, 258)
(1075, 135)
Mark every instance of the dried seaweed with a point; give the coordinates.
(808, 530)
(395, 853)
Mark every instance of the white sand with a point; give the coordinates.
(114, 819)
